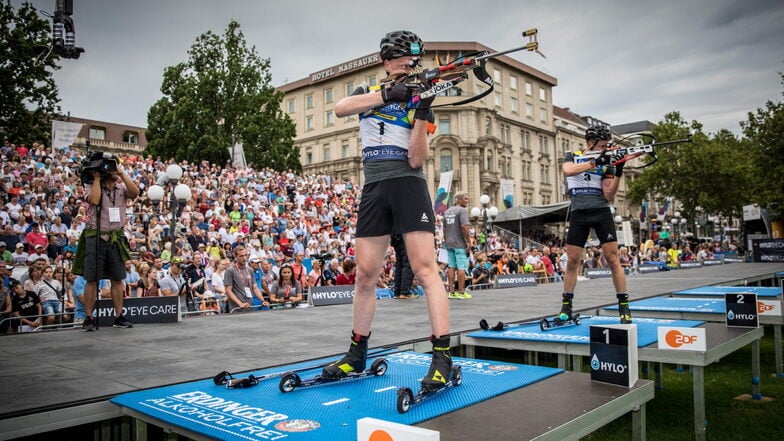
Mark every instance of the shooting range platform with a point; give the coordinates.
(327, 411)
(63, 379)
(573, 341)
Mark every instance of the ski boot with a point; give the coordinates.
(623, 308)
(440, 367)
(354, 361)
(565, 317)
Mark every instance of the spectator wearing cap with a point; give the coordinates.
(20, 256)
(258, 278)
(25, 306)
(40, 253)
(5, 255)
(174, 283)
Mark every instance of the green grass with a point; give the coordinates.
(670, 414)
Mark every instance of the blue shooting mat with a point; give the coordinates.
(708, 305)
(647, 330)
(760, 291)
(325, 412)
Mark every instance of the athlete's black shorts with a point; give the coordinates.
(581, 222)
(398, 206)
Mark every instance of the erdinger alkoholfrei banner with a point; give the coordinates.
(64, 133)
(507, 192)
(442, 194)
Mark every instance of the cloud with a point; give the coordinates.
(619, 61)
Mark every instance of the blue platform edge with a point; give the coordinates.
(760, 291)
(327, 412)
(677, 304)
(647, 330)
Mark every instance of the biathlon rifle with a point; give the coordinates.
(623, 154)
(431, 82)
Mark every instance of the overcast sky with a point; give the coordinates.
(620, 61)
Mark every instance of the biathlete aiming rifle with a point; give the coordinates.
(623, 154)
(431, 82)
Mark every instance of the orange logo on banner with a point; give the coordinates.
(380, 435)
(762, 307)
(675, 339)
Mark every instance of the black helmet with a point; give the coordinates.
(401, 44)
(597, 133)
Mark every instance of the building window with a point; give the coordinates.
(513, 82)
(498, 99)
(529, 110)
(327, 154)
(529, 88)
(344, 148)
(309, 122)
(542, 94)
(372, 81)
(488, 127)
(309, 101)
(543, 145)
(480, 90)
(527, 140)
(131, 137)
(97, 132)
(545, 174)
(526, 169)
(292, 106)
(349, 88)
(329, 118)
(309, 157)
(490, 162)
(446, 160)
(497, 76)
(328, 96)
(565, 146)
(444, 126)
(543, 114)
(514, 105)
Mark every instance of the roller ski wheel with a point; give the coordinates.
(557, 322)
(292, 381)
(406, 398)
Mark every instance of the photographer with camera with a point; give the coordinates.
(175, 284)
(103, 247)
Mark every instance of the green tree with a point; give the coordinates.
(764, 145)
(711, 172)
(220, 95)
(28, 94)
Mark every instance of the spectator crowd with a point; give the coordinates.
(303, 224)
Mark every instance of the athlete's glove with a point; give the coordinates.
(603, 159)
(396, 93)
(619, 169)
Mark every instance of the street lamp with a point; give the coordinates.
(488, 215)
(179, 194)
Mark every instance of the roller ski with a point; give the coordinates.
(564, 318)
(441, 376)
(292, 380)
(350, 367)
(406, 397)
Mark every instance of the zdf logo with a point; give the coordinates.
(768, 308)
(682, 339)
(676, 339)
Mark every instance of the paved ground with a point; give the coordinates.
(53, 369)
